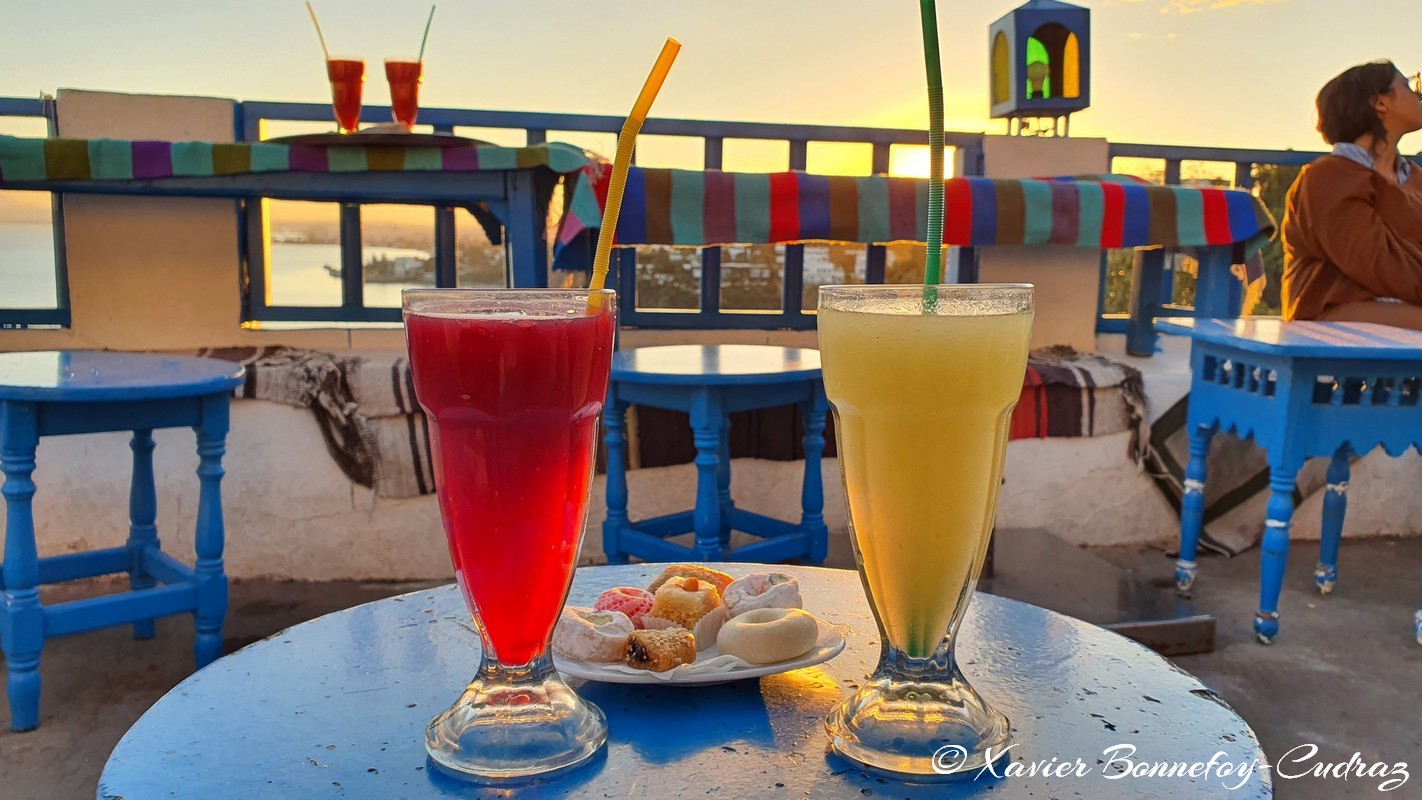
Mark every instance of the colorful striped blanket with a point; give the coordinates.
(26, 159)
(695, 208)
(364, 405)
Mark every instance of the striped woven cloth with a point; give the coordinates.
(695, 208)
(364, 405)
(25, 159)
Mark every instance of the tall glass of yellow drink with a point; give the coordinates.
(923, 382)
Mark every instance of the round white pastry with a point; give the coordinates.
(768, 635)
(762, 590)
(589, 635)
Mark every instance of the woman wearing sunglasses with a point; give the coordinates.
(1352, 227)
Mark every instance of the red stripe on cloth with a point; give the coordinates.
(1113, 218)
(957, 212)
(719, 212)
(784, 207)
(1216, 216)
(1028, 419)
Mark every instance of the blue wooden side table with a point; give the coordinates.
(62, 393)
(710, 382)
(1300, 389)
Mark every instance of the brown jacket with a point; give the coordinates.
(1350, 234)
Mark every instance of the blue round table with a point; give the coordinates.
(709, 383)
(337, 707)
(58, 393)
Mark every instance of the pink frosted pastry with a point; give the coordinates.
(592, 635)
(761, 590)
(633, 602)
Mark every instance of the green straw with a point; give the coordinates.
(423, 39)
(933, 269)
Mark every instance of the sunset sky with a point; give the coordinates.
(1202, 72)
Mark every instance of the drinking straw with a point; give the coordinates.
(312, 12)
(421, 57)
(932, 273)
(625, 142)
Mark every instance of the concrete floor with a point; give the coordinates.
(1343, 674)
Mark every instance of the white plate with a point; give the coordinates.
(708, 668)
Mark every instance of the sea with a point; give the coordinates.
(297, 269)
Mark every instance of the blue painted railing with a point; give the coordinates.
(536, 126)
(42, 108)
(247, 126)
(1244, 161)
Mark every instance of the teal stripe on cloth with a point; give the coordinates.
(585, 205)
(873, 209)
(346, 159)
(22, 159)
(688, 206)
(753, 207)
(191, 159)
(1190, 217)
(271, 158)
(110, 160)
(423, 159)
(565, 157)
(498, 157)
(1037, 208)
(1091, 213)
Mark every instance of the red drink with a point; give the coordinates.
(513, 393)
(347, 78)
(405, 76)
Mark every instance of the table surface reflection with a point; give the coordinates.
(716, 364)
(337, 707)
(86, 375)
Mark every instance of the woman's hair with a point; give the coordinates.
(1345, 104)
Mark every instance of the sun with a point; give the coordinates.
(911, 161)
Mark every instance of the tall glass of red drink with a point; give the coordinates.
(347, 79)
(405, 76)
(512, 383)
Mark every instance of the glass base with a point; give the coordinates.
(925, 722)
(515, 723)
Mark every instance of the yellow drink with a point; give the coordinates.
(922, 404)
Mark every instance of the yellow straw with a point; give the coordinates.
(312, 12)
(620, 164)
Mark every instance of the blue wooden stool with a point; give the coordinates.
(1300, 389)
(60, 393)
(710, 382)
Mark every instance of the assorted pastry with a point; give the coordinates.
(687, 610)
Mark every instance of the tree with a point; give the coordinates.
(1271, 185)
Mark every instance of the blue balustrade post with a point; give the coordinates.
(1217, 289)
(209, 575)
(1192, 508)
(142, 516)
(1335, 508)
(723, 482)
(1282, 474)
(1147, 277)
(525, 236)
(707, 418)
(615, 419)
(22, 625)
(812, 493)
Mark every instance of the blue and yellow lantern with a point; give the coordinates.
(1040, 58)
